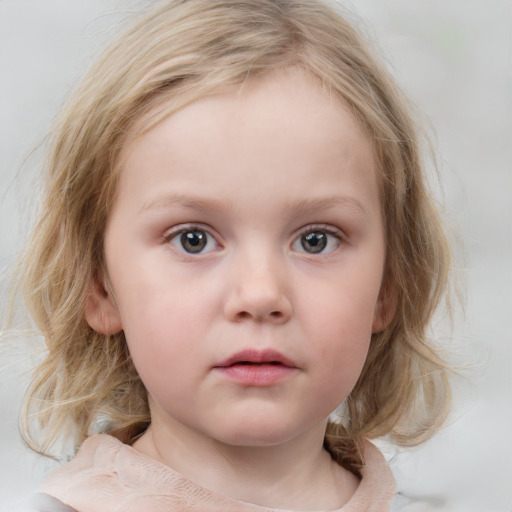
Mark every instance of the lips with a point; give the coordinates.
(256, 368)
(268, 356)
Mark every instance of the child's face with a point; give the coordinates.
(245, 252)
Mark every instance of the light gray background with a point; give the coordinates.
(454, 59)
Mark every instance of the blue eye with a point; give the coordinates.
(316, 241)
(194, 241)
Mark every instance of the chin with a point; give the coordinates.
(259, 434)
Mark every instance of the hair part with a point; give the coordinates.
(174, 53)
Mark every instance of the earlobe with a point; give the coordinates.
(385, 308)
(101, 312)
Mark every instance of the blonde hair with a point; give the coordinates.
(186, 49)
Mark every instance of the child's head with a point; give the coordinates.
(182, 66)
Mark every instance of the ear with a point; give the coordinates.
(385, 307)
(101, 311)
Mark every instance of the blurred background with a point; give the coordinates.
(454, 58)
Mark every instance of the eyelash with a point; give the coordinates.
(170, 236)
(320, 228)
(330, 231)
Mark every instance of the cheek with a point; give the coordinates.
(343, 316)
(155, 327)
(343, 356)
(340, 331)
(167, 328)
(163, 355)
(159, 330)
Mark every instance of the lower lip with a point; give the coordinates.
(256, 374)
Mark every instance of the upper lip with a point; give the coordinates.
(257, 356)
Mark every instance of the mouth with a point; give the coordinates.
(253, 368)
(257, 358)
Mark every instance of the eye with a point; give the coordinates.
(316, 241)
(193, 241)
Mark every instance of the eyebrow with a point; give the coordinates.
(186, 201)
(303, 206)
(326, 203)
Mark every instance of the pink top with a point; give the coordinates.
(109, 476)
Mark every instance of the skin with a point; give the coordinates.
(253, 170)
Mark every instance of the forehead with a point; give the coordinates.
(289, 96)
(284, 121)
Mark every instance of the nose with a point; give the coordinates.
(258, 292)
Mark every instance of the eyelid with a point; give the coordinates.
(329, 229)
(175, 231)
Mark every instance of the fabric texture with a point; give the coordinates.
(44, 503)
(109, 476)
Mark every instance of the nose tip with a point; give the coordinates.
(260, 298)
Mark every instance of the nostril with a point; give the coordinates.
(244, 315)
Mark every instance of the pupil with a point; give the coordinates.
(314, 242)
(193, 241)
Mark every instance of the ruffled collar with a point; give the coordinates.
(109, 476)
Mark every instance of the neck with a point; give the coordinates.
(295, 474)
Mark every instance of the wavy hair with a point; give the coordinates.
(181, 50)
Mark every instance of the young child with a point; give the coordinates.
(236, 242)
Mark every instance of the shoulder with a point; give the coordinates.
(107, 475)
(377, 489)
(379, 483)
(96, 453)
(40, 502)
(93, 469)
